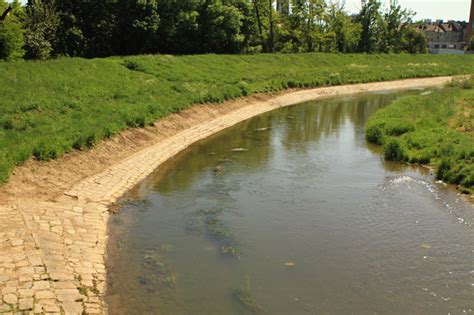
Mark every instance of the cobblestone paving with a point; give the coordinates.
(52, 254)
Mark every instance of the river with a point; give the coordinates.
(292, 212)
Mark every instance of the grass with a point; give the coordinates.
(48, 108)
(434, 129)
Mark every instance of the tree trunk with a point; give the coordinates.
(5, 13)
(271, 39)
(259, 23)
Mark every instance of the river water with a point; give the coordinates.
(318, 224)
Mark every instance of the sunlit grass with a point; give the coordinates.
(434, 129)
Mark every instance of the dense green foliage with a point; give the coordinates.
(48, 108)
(89, 28)
(11, 34)
(435, 129)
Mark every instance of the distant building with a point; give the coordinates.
(445, 37)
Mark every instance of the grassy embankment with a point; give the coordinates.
(49, 108)
(435, 129)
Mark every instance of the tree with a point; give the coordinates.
(248, 28)
(179, 26)
(271, 27)
(41, 24)
(220, 27)
(264, 16)
(5, 13)
(372, 24)
(87, 28)
(397, 22)
(138, 24)
(11, 32)
(304, 28)
(414, 42)
(347, 32)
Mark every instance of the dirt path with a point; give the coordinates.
(53, 216)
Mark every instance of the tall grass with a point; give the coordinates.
(435, 129)
(48, 108)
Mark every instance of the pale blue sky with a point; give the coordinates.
(427, 9)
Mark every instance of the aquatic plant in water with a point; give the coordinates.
(157, 273)
(222, 165)
(247, 300)
(210, 221)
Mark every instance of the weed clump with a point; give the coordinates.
(158, 273)
(210, 220)
(247, 300)
(393, 151)
(374, 134)
(466, 83)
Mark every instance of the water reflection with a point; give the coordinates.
(296, 127)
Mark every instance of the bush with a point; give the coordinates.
(374, 134)
(393, 151)
(36, 46)
(399, 128)
(133, 65)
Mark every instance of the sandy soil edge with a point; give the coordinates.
(53, 216)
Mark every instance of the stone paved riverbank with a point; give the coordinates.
(52, 253)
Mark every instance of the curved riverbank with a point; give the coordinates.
(54, 233)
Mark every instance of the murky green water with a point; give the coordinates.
(321, 224)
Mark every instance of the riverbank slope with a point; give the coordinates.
(49, 108)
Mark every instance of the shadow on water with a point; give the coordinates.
(292, 212)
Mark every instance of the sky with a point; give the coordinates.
(427, 9)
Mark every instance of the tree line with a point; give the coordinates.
(43, 29)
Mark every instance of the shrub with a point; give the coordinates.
(393, 151)
(133, 65)
(374, 134)
(399, 128)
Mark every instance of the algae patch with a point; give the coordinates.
(157, 274)
(210, 222)
(245, 298)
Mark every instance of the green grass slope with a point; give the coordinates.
(435, 129)
(51, 107)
